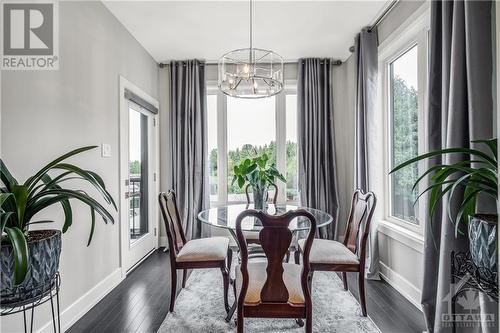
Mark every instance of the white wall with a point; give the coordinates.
(166, 150)
(47, 113)
(396, 17)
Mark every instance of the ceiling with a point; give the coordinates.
(176, 30)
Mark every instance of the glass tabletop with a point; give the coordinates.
(225, 217)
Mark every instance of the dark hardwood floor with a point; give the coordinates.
(140, 303)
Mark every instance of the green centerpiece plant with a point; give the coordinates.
(466, 181)
(259, 173)
(30, 258)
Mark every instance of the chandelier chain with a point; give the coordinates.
(251, 29)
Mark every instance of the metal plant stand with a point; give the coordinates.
(466, 276)
(45, 293)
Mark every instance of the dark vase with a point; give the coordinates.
(483, 240)
(259, 198)
(43, 265)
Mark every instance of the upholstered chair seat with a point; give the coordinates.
(257, 277)
(251, 236)
(194, 254)
(204, 249)
(326, 251)
(350, 255)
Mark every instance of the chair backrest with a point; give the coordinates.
(362, 208)
(172, 220)
(275, 197)
(275, 238)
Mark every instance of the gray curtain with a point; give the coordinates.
(460, 109)
(188, 133)
(317, 179)
(366, 103)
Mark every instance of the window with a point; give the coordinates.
(240, 128)
(292, 180)
(213, 182)
(403, 93)
(251, 130)
(404, 68)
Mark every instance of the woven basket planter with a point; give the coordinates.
(43, 265)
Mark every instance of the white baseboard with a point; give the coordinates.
(82, 305)
(402, 285)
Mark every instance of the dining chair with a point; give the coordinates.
(274, 289)
(350, 254)
(193, 254)
(253, 237)
(275, 196)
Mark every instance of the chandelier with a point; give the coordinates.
(250, 72)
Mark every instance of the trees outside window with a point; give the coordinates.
(246, 128)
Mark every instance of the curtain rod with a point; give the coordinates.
(383, 15)
(379, 19)
(214, 63)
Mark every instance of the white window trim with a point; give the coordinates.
(414, 31)
(280, 114)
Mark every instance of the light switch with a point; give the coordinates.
(106, 150)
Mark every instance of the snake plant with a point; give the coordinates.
(20, 202)
(476, 175)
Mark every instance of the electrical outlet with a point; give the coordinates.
(106, 150)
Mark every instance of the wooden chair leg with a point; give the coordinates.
(184, 278)
(310, 280)
(173, 288)
(240, 322)
(229, 260)
(297, 256)
(309, 320)
(344, 279)
(362, 300)
(225, 278)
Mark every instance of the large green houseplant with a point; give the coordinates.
(31, 258)
(259, 173)
(467, 180)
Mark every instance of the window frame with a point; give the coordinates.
(415, 34)
(290, 88)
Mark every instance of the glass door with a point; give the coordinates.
(139, 160)
(138, 173)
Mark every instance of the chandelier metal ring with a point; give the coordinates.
(250, 72)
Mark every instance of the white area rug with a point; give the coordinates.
(200, 308)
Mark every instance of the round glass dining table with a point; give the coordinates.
(225, 217)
